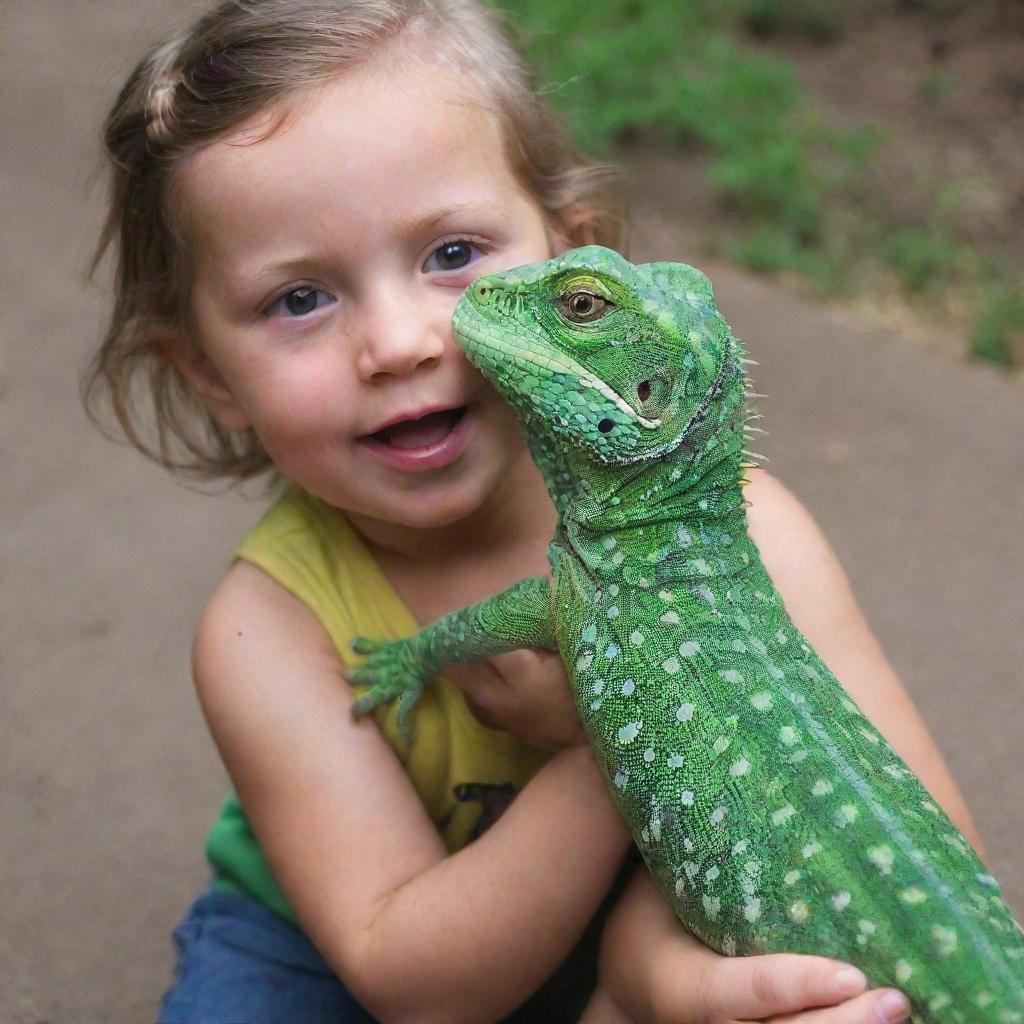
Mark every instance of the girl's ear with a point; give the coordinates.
(558, 240)
(193, 364)
(575, 227)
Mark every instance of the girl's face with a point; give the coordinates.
(328, 257)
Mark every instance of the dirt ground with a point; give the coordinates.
(912, 461)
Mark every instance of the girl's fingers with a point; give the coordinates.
(880, 1006)
(760, 987)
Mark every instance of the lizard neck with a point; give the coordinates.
(700, 542)
(679, 518)
(699, 479)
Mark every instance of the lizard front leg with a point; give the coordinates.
(399, 669)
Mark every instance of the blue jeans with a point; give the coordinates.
(241, 963)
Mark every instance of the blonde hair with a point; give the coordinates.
(235, 62)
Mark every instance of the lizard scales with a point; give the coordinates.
(771, 813)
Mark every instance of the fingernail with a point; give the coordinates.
(894, 1006)
(849, 981)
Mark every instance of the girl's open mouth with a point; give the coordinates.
(421, 433)
(429, 442)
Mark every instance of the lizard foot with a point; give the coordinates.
(392, 671)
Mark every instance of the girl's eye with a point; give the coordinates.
(299, 302)
(452, 255)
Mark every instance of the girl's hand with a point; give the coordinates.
(778, 988)
(525, 693)
(658, 973)
(754, 1000)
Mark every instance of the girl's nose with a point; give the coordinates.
(397, 341)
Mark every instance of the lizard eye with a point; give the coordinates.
(584, 307)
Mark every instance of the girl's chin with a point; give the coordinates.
(446, 511)
(425, 507)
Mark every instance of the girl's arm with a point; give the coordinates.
(415, 934)
(651, 966)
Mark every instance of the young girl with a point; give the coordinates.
(302, 189)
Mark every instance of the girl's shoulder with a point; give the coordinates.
(777, 519)
(309, 548)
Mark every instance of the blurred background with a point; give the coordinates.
(873, 148)
(851, 175)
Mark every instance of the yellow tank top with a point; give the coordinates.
(463, 772)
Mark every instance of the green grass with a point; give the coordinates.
(672, 72)
(925, 259)
(999, 327)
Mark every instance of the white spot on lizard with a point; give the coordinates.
(846, 815)
(629, 732)
(684, 712)
(882, 857)
(783, 814)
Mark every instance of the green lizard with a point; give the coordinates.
(771, 813)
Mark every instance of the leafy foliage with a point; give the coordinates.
(999, 323)
(671, 72)
(924, 258)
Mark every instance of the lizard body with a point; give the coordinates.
(771, 813)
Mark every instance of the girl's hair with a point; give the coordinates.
(234, 63)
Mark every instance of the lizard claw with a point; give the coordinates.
(393, 671)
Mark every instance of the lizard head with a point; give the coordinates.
(623, 361)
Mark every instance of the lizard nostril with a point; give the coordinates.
(481, 291)
(605, 425)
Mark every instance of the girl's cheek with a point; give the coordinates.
(291, 416)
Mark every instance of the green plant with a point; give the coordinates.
(669, 71)
(923, 257)
(999, 322)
